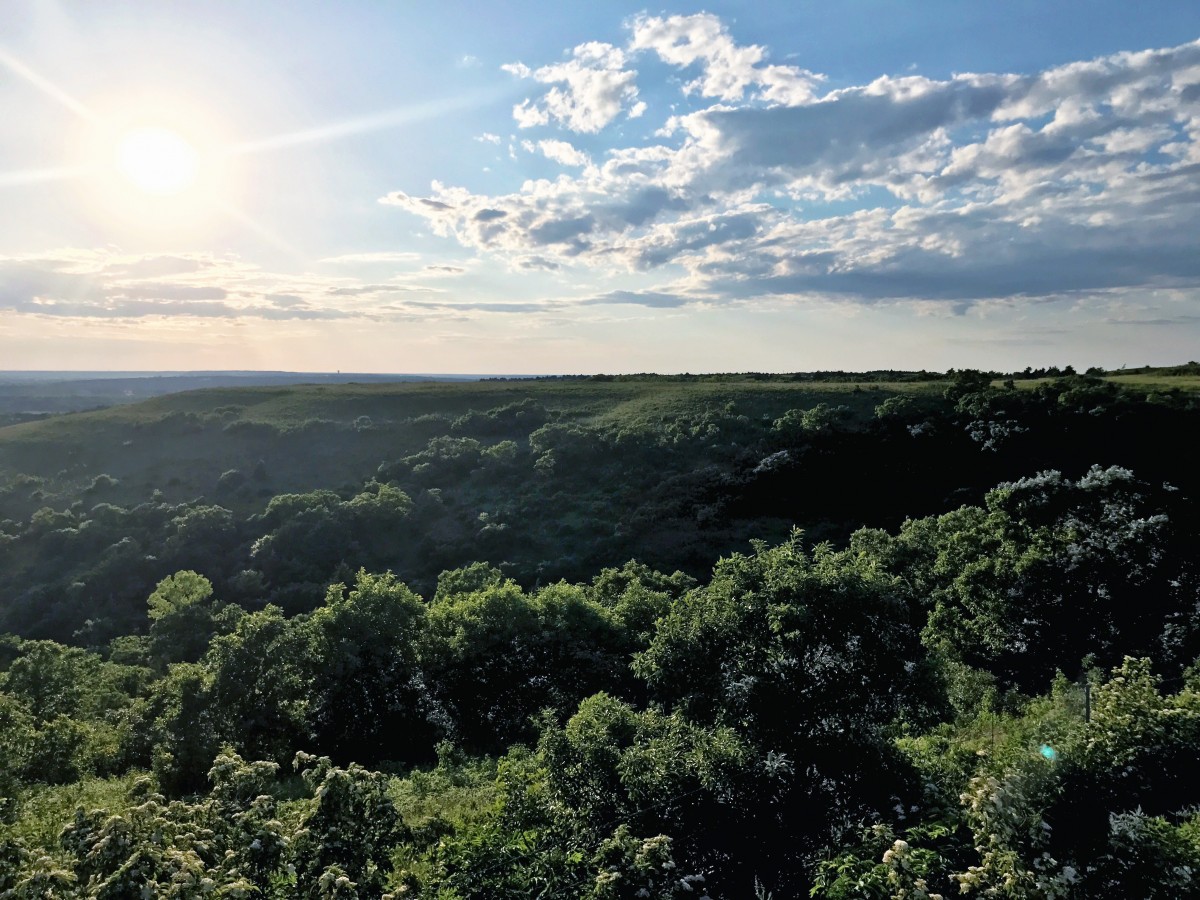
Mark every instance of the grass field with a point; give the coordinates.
(1151, 382)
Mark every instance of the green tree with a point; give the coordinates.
(366, 697)
(184, 618)
(352, 824)
(809, 659)
(174, 729)
(53, 680)
(478, 656)
(260, 695)
(17, 733)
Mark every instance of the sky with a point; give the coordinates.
(535, 188)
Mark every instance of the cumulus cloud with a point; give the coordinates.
(1079, 179)
(727, 68)
(563, 153)
(588, 91)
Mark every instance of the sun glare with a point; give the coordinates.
(159, 173)
(157, 161)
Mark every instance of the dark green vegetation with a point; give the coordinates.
(32, 395)
(348, 641)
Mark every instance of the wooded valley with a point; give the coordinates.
(886, 635)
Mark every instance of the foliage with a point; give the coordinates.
(365, 693)
(184, 618)
(879, 712)
(351, 825)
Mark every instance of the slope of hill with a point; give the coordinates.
(545, 478)
(431, 580)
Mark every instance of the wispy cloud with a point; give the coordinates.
(653, 299)
(381, 257)
(105, 284)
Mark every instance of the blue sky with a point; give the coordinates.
(518, 187)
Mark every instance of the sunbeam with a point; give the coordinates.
(364, 124)
(40, 176)
(47, 87)
(261, 230)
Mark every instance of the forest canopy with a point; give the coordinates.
(610, 639)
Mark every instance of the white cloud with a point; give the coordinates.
(107, 285)
(383, 256)
(589, 89)
(1078, 179)
(727, 68)
(488, 138)
(563, 153)
(528, 115)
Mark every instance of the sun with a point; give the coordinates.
(157, 160)
(159, 168)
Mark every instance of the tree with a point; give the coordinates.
(479, 656)
(494, 656)
(1050, 563)
(17, 734)
(174, 729)
(184, 617)
(351, 825)
(821, 419)
(53, 680)
(808, 659)
(260, 685)
(367, 699)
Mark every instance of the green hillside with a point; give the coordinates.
(619, 638)
(320, 436)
